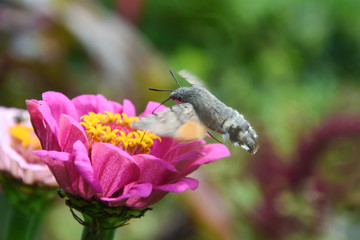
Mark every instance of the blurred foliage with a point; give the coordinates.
(291, 67)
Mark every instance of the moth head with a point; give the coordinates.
(180, 95)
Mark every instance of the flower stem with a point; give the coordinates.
(20, 225)
(95, 232)
(22, 208)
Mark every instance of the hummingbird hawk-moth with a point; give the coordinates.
(198, 110)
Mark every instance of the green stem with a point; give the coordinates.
(22, 208)
(95, 232)
(22, 226)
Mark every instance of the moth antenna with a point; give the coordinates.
(161, 90)
(160, 105)
(214, 137)
(173, 75)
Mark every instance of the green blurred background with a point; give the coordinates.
(291, 67)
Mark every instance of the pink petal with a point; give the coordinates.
(138, 190)
(113, 167)
(83, 165)
(152, 164)
(44, 124)
(159, 192)
(118, 108)
(62, 165)
(161, 149)
(154, 170)
(150, 108)
(9, 156)
(70, 132)
(86, 190)
(75, 178)
(59, 104)
(93, 103)
(180, 148)
(57, 162)
(180, 186)
(203, 155)
(54, 155)
(129, 108)
(136, 202)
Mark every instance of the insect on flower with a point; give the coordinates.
(89, 145)
(198, 110)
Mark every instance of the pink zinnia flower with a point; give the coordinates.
(17, 142)
(94, 153)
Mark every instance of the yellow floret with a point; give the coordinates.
(109, 127)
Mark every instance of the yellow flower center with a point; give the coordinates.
(25, 135)
(115, 129)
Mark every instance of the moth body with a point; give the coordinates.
(218, 117)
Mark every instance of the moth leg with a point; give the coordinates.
(142, 138)
(225, 136)
(214, 137)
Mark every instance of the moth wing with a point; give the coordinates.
(191, 78)
(179, 121)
